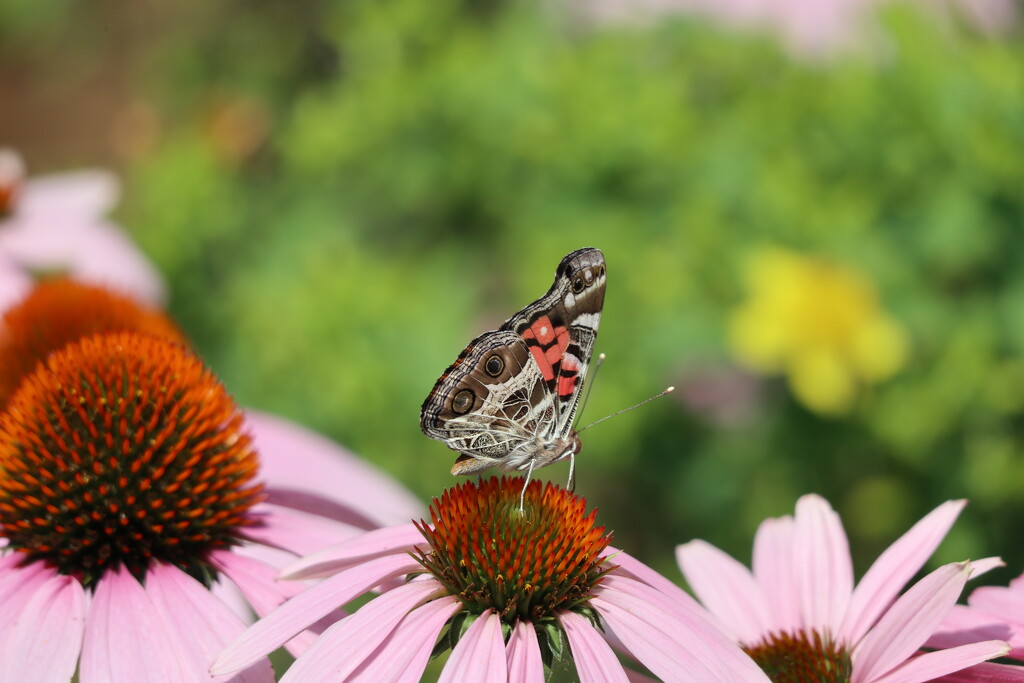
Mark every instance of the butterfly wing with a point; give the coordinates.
(513, 391)
(560, 329)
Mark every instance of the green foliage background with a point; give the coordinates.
(407, 174)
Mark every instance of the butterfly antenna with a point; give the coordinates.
(626, 410)
(590, 385)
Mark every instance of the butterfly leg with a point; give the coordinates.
(571, 485)
(522, 496)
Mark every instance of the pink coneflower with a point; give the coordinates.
(56, 224)
(128, 489)
(800, 617)
(508, 591)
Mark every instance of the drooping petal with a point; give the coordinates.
(281, 625)
(45, 640)
(126, 638)
(595, 661)
(932, 665)
(403, 657)
(378, 543)
(999, 600)
(297, 532)
(894, 568)
(821, 563)
(523, 655)
(673, 645)
(773, 570)
(343, 647)
(909, 622)
(986, 673)
(727, 588)
(256, 580)
(294, 457)
(202, 623)
(965, 625)
(480, 654)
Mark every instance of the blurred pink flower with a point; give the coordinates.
(720, 393)
(546, 577)
(809, 28)
(799, 608)
(56, 224)
(157, 513)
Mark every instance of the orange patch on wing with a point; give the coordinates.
(566, 385)
(556, 341)
(542, 362)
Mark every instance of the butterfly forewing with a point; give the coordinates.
(510, 397)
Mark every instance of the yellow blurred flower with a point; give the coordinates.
(820, 324)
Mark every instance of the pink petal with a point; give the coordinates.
(281, 625)
(479, 655)
(932, 665)
(727, 588)
(86, 249)
(46, 639)
(106, 256)
(126, 639)
(264, 592)
(987, 673)
(256, 580)
(894, 568)
(523, 655)
(17, 586)
(909, 622)
(89, 193)
(822, 564)
(359, 549)
(964, 625)
(667, 642)
(343, 647)
(595, 661)
(404, 656)
(15, 284)
(200, 622)
(773, 570)
(1006, 602)
(297, 532)
(630, 566)
(294, 457)
(985, 565)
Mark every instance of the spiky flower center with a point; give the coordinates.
(523, 565)
(802, 658)
(60, 311)
(122, 449)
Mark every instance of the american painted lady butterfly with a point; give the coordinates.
(509, 399)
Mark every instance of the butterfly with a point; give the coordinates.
(510, 398)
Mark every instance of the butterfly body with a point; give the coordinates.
(510, 398)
